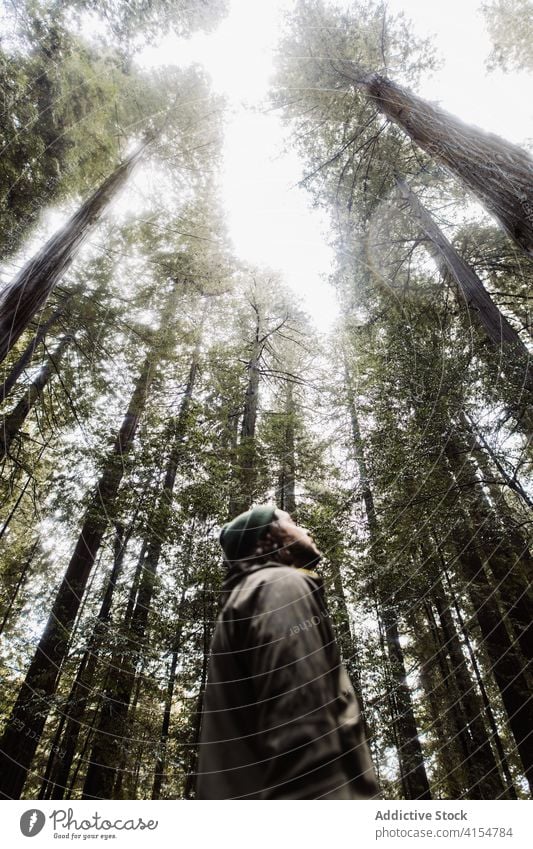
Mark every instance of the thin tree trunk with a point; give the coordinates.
(112, 728)
(287, 498)
(192, 767)
(25, 295)
(117, 791)
(514, 356)
(507, 665)
(26, 356)
(489, 713)
(498, 173)
(480, 446)
(414, 777)
(18, 744)
(480, 764)
(12, 423)
(504, 551)
(159, 774)
(243, 491)
(21, 580)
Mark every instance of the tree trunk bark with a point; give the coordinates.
(515, 357)
(112, 728)
(192, 766)
(12, 423)
(31, 347)
(23, 297)
(73, 712)
(498, 173)
(481, 447)
(480, 764)
(504, 551)
(287, 497)
(507, 665)
(414, 776)
(21, 580)
(489, 713)
(159, 774)
(25, 726)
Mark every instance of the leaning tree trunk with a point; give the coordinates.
(26, 356)
(26, 294)
(410, 756)
(514, 357)
(11, 424)
(244, 473)
(21, 737)
(22, 578)
(112, 727)
(498, 173)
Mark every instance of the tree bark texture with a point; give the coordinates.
(112, 729)
(11, 424)
(26, 294)
(498, 173)
(410, 755)
(21, 737)
(515, 357)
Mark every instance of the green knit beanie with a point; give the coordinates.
(239, 537)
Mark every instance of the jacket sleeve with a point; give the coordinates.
(289, 664)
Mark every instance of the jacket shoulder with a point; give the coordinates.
(273, 587)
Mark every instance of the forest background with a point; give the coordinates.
(168, 360)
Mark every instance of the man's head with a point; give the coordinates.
(267, 533)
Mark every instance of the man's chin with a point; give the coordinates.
(306, 558)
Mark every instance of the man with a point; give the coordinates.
(280, 717)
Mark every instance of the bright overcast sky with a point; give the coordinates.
(270, 221)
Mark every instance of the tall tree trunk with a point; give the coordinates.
(515, 357)
(159, 774)
(349, 648)
(504, 551)
(447, 755)
(25, 295)
(73, 712)
(498, 173)
(112, 728)
(480, 447)
(481, 767)
(192, 760)
(489, 713)
(506, 663)
(24, 729)
(21, 580)
(26, 356)
(244, 483)
(287, 498)
(12, 423)
(414, 776)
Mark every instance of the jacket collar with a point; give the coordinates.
(238, 571)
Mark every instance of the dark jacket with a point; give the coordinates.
(280, 717)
